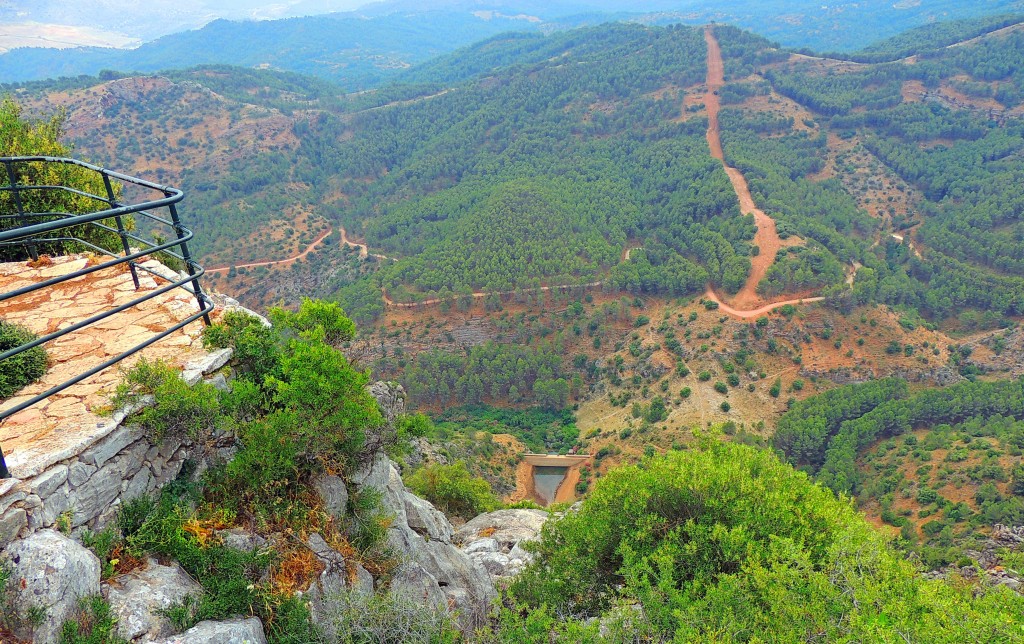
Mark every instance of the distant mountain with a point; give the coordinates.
(355, 50)
(367, 48)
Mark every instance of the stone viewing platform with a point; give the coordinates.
(70, 453)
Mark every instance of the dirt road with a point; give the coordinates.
(277, 262)
(364, 250)
(762, 310)
(767, 237)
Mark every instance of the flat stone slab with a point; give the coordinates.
(68, 422)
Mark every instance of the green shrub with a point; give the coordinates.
(355, 617)
(256, 347)
(94, 624)
(453, 489)
(23, 369)
(316, 320)
(728, 540)
(177, 409)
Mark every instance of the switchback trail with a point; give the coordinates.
(364, 250)
(290, 260)
(767, 237)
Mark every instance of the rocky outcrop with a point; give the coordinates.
(433, 571)
(494, 540)
(138, 598)
(333, 494)
(338, 577)
(391, 398)
(232, 631)
(51, 572)
(426, 520)
(988, 560)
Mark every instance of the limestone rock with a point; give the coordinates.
(231, 631)
(96, 494)
(481, 545)
(210, 362)
(494, 539)
(11, 523)
(333, 493)
(53, 572)
(434, 571)
(241, 539)
(495, 563)
(390, 397)
(507, 527)
(465, 585)
(373, 474)
(137, 597)
(413, 583)
(427, 520)
(334, 580)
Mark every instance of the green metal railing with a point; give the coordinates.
(32, 231)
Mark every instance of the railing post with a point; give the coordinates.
(120, 228)
(185, 255)
(12, 176)
(4, 472)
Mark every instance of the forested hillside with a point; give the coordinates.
(547, 171)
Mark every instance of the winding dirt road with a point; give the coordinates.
(364, 250)
(277, 262)
(767, 237)
(753, 313)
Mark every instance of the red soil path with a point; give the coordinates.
(767, 237)
(278, 262)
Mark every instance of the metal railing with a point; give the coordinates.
(35, 231)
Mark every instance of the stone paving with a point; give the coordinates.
(51, 430)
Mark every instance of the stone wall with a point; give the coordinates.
(86, 484)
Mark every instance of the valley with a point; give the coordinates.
(762, 300)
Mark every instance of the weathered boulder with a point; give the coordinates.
(231, 631)
(391, 398)
(427, 520)
(241, 539)
(482, 545)
(374, 474)
(137, 598)
(495, 563)
(412, 583)
(333, 494)
(52, 572)
(338, 576)
(434, 571)
(507, 527)
(494, 539)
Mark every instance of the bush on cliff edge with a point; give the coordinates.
(24, 368)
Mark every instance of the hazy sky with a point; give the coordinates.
(119, 22)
